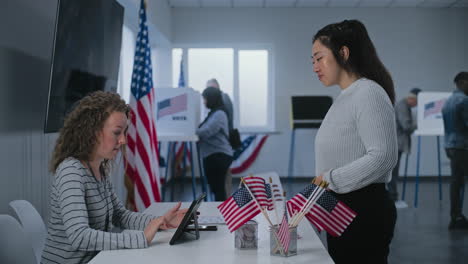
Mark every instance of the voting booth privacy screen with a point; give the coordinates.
(177, 111)
(430, 106)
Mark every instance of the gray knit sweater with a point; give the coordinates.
(356, 144)
(214, 134)
(81, 208)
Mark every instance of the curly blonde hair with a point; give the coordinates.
(78, 136)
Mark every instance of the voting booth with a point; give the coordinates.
(177, 111)
(178, 115)
(430, 123)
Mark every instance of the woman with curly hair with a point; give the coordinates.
(83, 205)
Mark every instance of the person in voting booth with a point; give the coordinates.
(356, 145)
(455, 116)
(83, 205)
(405, 126)
(226, 101)
(230, 114)
(215, 148)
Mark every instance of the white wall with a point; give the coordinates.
(420, 47)
(27, 31)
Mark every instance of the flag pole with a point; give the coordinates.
(312, 199)
(315, 196)
(295, 216)
(264, 214)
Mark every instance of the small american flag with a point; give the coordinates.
(142, 167)
(277, 196)
(433, 108)
(238, 209)
(326, 214)
(284, 236)
(259, 189)
(172, 105)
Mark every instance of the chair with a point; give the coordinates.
(15, 247)
(33, 225)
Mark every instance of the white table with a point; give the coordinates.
(216, 246)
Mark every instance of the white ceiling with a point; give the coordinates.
(319, 3)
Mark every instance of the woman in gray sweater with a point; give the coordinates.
(356, 145)
(83, 205)
(215, 148)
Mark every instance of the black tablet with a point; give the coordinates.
(189, 218)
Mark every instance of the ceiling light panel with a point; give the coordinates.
(312, 3)
(280, 3)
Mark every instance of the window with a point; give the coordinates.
(244, 74)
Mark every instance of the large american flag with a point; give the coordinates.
(326, 214)
(142, 155)
(182, 157)
(238, 209)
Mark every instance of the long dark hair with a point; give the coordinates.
(214, 101)
(363, 60)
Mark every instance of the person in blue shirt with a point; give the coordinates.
(215, 148)
(455, 115)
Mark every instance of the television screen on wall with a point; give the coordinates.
(86, 54)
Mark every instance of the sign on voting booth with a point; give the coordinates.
(430, 120)
(177, 111)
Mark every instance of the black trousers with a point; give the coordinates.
(216, 166)
(393, 184)
(367, 239)
(459, 166)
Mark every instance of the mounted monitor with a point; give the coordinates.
(309, 111)
(86, 54)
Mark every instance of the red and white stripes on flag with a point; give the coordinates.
(246, 155)
(284, 236)
(142, 166)
(259, 189)
(327, 213)
(238, 209)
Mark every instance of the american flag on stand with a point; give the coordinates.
(327, 213)
(259, 189)
(284, 236)
(182, 160)
(238, 209)
(142, 166)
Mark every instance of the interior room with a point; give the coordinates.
(261, 53)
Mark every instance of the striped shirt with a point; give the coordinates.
(356, 144)
(83, 210)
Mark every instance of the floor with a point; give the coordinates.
(421, 234)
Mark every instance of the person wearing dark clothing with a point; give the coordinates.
(214, 145)
(405, 126)
(455, 115)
